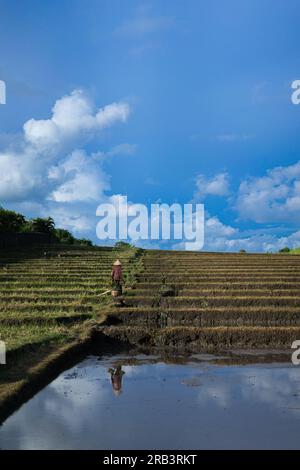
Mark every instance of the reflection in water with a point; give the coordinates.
(198, 404)
(116, 379)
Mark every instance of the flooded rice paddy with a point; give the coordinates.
(131, 401)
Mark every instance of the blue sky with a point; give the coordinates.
(196, 106)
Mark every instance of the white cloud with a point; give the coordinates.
(122, 149)
(42, 168)
(214, 227)
(72, 116)
(50, 173)
(218, 185)
(111, 114)
(21, 175)
(221, 237)
(76, 219)
(217, 234)
(83, 179)
(273, 198)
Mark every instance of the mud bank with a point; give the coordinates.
(194, 339)
(49, 363)
(204, 317)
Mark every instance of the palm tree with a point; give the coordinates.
(43, 225)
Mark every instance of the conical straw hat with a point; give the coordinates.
(117, 263)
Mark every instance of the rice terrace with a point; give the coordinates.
(149, 231)
(52, 310)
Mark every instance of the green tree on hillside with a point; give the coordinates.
(123, 245)
(41, 225)
(286, 249)
(11, 221)
(64, 236)
(84, 241)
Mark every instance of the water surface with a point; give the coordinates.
(194, 403)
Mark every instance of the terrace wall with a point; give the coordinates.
(23, 239)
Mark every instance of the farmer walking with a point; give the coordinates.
(116, 276)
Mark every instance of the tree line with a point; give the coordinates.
(13, 222)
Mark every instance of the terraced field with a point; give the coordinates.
(52, 291)
(215, 301)
(48, 300)
(50, 306)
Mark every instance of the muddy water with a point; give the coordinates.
(195, 403)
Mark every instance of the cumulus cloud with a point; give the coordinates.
(217, 234)
(270, 198)
(42, 166)
(21, 175)
(78, 219)
(218, 185)
(274, 197)
(72, 116)
(215, 227)
(49, 169)
(222, 237)
(111, 114)
(82, 179)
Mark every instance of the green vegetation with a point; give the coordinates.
(123, 245)
(12, 222)
(135, 266)
(293, 251)
(40, 225)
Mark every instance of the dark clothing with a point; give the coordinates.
(116, 273)
(116, 378)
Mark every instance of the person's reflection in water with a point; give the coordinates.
(116, 379)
